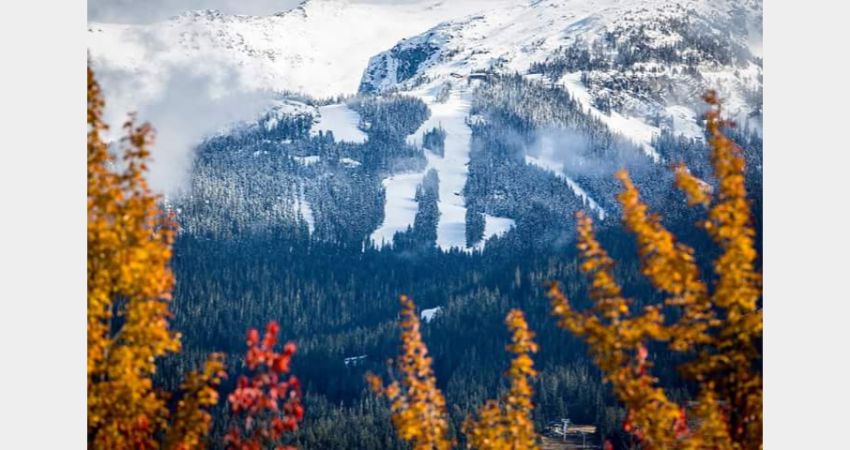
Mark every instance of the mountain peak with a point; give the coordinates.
(318, 48)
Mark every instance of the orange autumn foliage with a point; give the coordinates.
(129, 289)
(507, 424)
(418, 407)
(719, 326)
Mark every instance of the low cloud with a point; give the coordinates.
(573, 153)
(184, 107)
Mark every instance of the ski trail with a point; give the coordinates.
(399, 208)
(452, 169)
(556, 169)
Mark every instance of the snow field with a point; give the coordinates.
(340, 120)
(399, 208)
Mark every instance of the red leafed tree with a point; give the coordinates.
(266, 405)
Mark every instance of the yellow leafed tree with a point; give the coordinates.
(418, 406)
(508, 425)
(129, 289)
(718, 326)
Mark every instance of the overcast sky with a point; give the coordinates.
(145, 11)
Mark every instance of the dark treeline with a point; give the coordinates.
(337, 303)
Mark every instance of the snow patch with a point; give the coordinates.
(348, 162)
(494, 227)
(307, 160)
(497, 226)
(427, 315)
(301, 208)
(399, 208)
(285, 108)
(340, 120)
(354, 360)
(685, 122)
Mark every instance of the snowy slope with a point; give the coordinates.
(193, 74)
(717, 44)
(438, 50)
(336, 118)
(633, 128)
(400, 206)
(340, 120)
(304, 211)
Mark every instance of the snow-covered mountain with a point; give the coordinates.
(474, 118)
(193, 74)
(319, 48)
